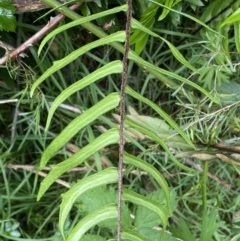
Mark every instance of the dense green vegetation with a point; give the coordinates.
(59, 118)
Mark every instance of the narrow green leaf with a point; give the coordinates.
(212, 9)
(140, 38)
(237, 35)
(187, 16)
(236, 237)
(135, 198)
(115, 37)
(162, 129)
(136, 24)
(110, 68)
(165, 11)
(79, 22)
(133, 56)
(137, 162)
(104, 177)
(102, 214)
(210, 225)
(109, 137)
(156, 138)
(162, 113)
(132, 235)
(139, 35)
(141, 43)
(234, 17)
(108, 103)
(145, 219)
(182, 231)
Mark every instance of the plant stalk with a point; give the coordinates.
(204, 185)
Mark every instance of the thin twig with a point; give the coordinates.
(23, 47)
(228, 148)
(32, 168)
(14, 124)
(122, 115)
(8, 101)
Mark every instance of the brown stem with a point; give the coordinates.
(122, 116)
(52, 23)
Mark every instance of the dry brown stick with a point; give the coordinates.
(227, 159)
(75, 169)
(32, 168)
(229, 148)
(40, 173)
(23, 47)
(59, 181)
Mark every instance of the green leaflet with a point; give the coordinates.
(108, 138)
(108, 103)
(136, 24)
(165, 11)
(132, 235)
(79, 22)
(149, 67)
(104, 177)
(115, 37)
(156, 138)
(234, 17)
(135, 198)
(104, 213)
(137, 162)
(162, 113)
(110, 68)
(187, 16)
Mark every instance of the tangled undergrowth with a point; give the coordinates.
(204, 199)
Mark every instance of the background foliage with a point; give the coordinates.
(59, 111)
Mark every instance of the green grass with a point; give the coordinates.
(205, 124)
